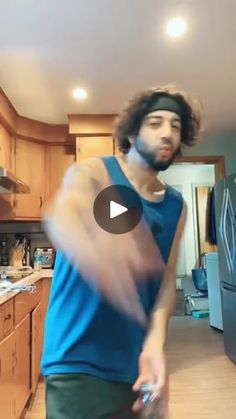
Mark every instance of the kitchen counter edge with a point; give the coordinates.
(28, 280)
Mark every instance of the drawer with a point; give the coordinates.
(25, 302)
(6, 318)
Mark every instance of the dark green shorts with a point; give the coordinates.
(82, 396)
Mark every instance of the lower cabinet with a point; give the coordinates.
(15, 371)
(20, 350)
(36, 345)
(7, 377)
(22, 365)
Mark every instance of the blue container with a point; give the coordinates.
(200, 279)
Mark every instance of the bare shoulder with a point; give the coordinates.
(86, 169)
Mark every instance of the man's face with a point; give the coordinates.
(159, 139)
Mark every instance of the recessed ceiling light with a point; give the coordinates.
(176, 27)
(79, 93)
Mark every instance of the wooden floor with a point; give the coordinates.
(202, 378)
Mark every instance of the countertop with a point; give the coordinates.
(28, 280)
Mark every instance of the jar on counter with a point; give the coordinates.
(38, 257)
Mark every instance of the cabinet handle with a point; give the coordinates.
(7, 317)
(13, 361)
(40, 202)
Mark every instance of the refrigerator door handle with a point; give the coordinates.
(227, 287)
(222, 229)
(232, 227)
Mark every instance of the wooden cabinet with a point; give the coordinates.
(21, 340)
(60, 157)
(6, 318)
(21, 362)
(31, 151)
(24, 303)
(7, 379)
(36, 345)
(37, 331)
(6, 160)
(14, 371)
(87, 147)
(30, 167)
(6, 149)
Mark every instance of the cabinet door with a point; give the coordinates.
(7, 363)
(30, 167)
(6, 318)
(22, 364)
(60, 158)
(36, 348)
(24, 303)
(6, 160)
(87, 147)
(6, 149)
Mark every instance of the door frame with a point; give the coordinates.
(217, 161)
(219, 169)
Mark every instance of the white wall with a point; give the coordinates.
(185, 177)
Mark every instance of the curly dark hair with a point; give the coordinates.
(129, 121)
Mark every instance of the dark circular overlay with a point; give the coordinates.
(110, 203)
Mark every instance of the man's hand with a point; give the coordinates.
(152, 370)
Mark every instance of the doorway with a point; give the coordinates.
(192, 177)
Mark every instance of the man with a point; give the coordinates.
(112, 294)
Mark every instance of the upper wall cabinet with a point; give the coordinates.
(30, 167)
(7, 160)
(6, 149)
(60, 157)
(87, 147)
(40, 153)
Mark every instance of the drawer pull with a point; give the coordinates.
(8, 317)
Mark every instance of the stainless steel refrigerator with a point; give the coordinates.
(225, 217)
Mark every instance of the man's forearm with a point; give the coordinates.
(162, 312)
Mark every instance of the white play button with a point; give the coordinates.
(116, 209)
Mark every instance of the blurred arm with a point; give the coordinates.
(71, 212)
(166, 300)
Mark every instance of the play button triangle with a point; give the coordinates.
(116, 209)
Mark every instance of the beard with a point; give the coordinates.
(150, 157)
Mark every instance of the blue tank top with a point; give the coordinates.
(83, 332)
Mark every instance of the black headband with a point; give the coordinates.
(168, 103)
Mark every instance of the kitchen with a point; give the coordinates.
(43, 131)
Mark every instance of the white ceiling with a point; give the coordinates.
(114, 48)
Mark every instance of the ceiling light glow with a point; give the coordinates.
(79, 93)
(176, 27)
